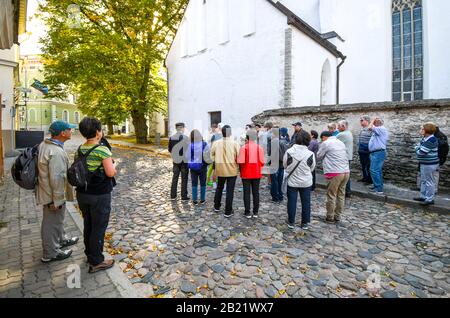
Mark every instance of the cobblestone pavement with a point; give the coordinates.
(22, 274)
(173, 249)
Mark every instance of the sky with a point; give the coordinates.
(35, 30)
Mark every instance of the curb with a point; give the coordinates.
(120, 281)
(438, 209)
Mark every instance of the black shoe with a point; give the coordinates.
(255, 215)
(419, 199)
(229, 214)
(414, 189)
(348, 195)
(362, 180)
(69, 242)
(185, 199)
(427, 203)
(61, 256)
(202, 202)
(195, 202)
(248, 215)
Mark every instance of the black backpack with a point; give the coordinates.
(443, 147)
(25, 169)
(78, 174)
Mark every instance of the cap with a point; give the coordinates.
(179, 125)
(297, 124)
(59, 126)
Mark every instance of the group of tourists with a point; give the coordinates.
(289, 163)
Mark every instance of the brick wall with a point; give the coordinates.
(403, 120)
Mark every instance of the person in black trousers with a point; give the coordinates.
(178, 143)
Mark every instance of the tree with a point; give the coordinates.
(110, 52)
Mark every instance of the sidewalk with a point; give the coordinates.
(22, 274)
(395, 195)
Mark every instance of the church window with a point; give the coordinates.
(407, 42)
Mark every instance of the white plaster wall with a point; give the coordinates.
(240, 78)
(308, 59)
(308, 10)
(436, 49)
(367, 73)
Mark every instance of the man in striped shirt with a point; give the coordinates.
(427, 154)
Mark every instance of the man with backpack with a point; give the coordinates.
(53, 191)
(178, 143)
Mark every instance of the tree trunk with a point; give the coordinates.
(110, 129)
(140, 127)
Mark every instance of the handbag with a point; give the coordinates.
(286, 177)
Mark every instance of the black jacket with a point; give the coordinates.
(175, 140)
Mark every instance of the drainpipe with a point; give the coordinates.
(338, 78)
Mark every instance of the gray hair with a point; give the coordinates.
(366, 118)
(332, 126)
(343, 123)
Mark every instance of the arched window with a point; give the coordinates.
(77, 117)
(407, 79)
(65, 115)
(326, 85)
(32, 115)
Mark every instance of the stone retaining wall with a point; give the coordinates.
(403, 120)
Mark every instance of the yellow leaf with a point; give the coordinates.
(393, 284)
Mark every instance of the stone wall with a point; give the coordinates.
(403, 120)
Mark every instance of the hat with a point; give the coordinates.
(59, 126)
(179, 125)
(297, 124)
(284, 131)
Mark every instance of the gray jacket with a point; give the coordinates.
(53, 186)
(333, 153)
(347, 138)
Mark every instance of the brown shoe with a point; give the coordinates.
(331, 221)
(102, 266)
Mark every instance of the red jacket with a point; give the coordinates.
(251, 161)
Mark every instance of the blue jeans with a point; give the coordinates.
(364, 159)
(428, 182)
(195, 177)
(305, 197)
(276, 185)
(376, 169)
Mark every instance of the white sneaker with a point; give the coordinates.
(214, 185)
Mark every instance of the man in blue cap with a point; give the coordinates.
(53, 191)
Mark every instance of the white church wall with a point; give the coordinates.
(308, 10)
(239, 78)
(436, 48)
(367, 73)
(308, 62)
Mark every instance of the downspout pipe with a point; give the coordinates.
(338, 71)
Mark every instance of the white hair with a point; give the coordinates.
(343, 123)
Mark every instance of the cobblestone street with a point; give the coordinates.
(173, 249)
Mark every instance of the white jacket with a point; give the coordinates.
(302, 176)
(334, 155)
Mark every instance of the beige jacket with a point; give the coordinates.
(224, 154)
(53, 186)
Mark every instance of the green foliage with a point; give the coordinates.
(110, 54)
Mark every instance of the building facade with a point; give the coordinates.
(232, 59)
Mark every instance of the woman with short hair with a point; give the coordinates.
(94, 200)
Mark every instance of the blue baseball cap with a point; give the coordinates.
(59, 126)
